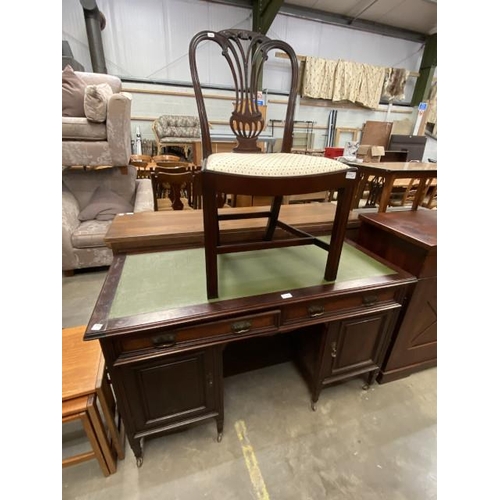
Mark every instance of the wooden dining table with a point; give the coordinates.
(388, 172)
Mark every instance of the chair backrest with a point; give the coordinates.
(146, 158)
(174, 182)
(158, 158)
(245, 52)
(173, 164)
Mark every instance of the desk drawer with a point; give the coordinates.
(256, 324)
(328, 307)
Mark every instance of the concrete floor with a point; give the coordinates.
(378, 444)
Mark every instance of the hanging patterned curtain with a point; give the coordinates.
(318, 79)
(341, 81)
(370, 89)
(347, 81)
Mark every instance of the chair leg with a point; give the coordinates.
(211, 232)
(273, 218)
(344, 199)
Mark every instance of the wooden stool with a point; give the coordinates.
(87, 396)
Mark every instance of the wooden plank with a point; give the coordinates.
(175, 94)
(376, 133)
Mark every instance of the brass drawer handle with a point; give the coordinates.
(241, 327)
(165, 340)
(369, 300)
(315, 311)
(334, 349)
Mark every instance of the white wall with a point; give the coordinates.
(149, 40)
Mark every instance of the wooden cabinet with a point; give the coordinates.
(170, 391)
(408, 240)
(343, 349)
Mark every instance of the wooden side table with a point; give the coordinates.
(386, 173)
(87, 396)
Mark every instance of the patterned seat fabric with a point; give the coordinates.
(271, 165)
(175, 127)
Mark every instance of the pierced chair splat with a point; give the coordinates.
(249, 171)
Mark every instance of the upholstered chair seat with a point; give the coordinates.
(271, 164)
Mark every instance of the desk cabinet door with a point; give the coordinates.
(173, 389)
(355, 346)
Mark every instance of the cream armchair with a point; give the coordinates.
(95, 143)
(91, 199)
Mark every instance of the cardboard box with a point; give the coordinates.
(370, 153)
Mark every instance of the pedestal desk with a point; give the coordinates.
(409, 240)
(163, 341)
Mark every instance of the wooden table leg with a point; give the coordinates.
(101, 434)
(430, 193)
(359, 189)
(108, 406)
(419, 195)
(96, 452)
(197, 155)
(386, 192)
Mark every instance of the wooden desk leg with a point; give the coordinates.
(419, 195)
(386, 192)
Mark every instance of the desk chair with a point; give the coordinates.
(247, 170)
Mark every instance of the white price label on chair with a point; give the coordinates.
(350, 175)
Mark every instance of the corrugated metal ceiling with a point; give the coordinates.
(419, 16)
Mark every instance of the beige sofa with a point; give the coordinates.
(88, 139)
(177, 130)
(91, 198)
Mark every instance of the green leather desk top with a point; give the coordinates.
(152, 282)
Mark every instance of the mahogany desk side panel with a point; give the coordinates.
(408, 240)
